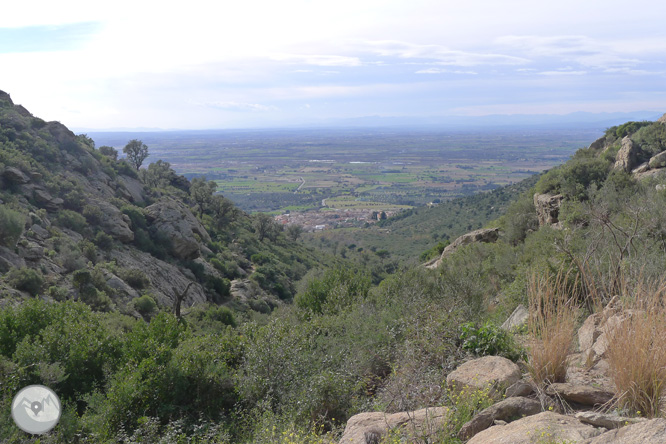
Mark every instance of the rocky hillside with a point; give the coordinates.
(80, 224)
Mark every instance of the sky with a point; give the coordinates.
(261, 63)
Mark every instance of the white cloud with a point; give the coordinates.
(236, 106)
(317, 60)
(444, 71)
(563, 73)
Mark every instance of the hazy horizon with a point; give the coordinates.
(262, 64)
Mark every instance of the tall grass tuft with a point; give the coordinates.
(552, 321)
(637, 348)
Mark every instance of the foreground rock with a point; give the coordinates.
(490, 372)
(548, 209)
(506, 410)
(646, 432)
(486, 235)
(546, 427)
(369, 428)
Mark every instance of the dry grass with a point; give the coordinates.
(637, 348)
(551, 326)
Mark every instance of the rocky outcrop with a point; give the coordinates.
(627, 157)
(599, 144)
(46, 201)
(178, 223)
(507, 410)
(548, 209)
(14, 175)
(486, 235)
(114, 222)
(370, 427)
(133, 188)
(490, 372)
(646, 432)
(662, 119)
(517, 319)
(543, 427)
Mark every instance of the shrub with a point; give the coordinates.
(11, 226)
(636, 351)
(551, 325)
(72, 220)
(135, 278)
(488, 339)
(145, 305)
(103, 241)
(26, 279)
(93, 214)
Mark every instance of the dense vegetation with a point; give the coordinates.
(330, 337)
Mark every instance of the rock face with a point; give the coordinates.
(548, 209)
(506, 410)
(486, 235)
(133, 187)
(517, 319)
(494, 372)
(606, 421)
(662, 119)
(546, 426)
(14, 175)
(627, 157)
(371, 427)
(179, 224)
(646, 432)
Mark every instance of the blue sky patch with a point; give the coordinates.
(46, 38)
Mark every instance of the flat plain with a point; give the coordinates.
(375, 169)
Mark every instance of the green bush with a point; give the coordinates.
(135, 278)
(337, 288)
(489, 339)
(72, 220)
(145, 305)
(103, 241)
(11, 226)
(26, 279)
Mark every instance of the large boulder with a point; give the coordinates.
(371, 427)
(494, 373)
(606, 420)
(506, 410)
(627, 157)
(646, 432)
(543, 427)
(46, 201)
(14, 175)
(133, 187)
(658, 161)
(113, 221)
(486, 235)
(580, 394)
(178, 223)
(548, 209)
(662, 119)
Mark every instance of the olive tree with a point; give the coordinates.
(136, 152)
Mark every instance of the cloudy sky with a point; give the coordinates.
(252, 63)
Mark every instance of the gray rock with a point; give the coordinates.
(520, 388)
(517, 319)
(490, 372)
(642, 168)
(179, 224)
(40, 232)
(646, 432)
(658, 161)
(31, 252)
(45, 200)
(605, 420)
(114, 222)
(627, 157)
(662, 119)
(134, 188)
(548, 209)
(486, 235)
(9, 259)
(374, 425)
(15, 175)
(506, 410)
(580, 394)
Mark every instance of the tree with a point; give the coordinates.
(202, 193)
(265, 227)
(294, 232)
(136, 152)
(109, 151)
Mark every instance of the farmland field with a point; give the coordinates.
(378, 169)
